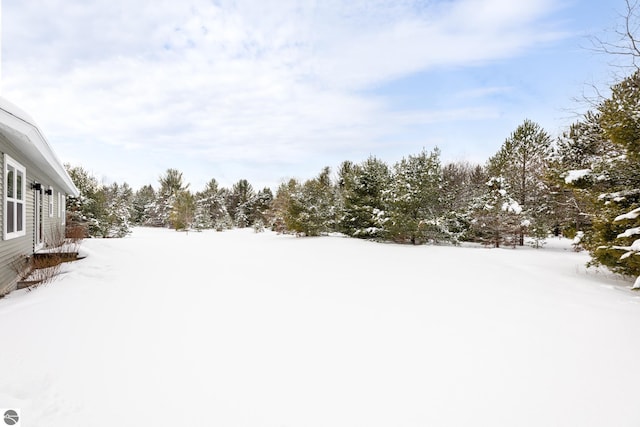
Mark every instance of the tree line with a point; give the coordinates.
(583, 185)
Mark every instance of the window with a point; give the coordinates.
(14, 198)
(50, 193)
(62, 208)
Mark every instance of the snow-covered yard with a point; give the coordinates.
(243, 329)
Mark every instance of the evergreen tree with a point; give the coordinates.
(311, 207)
(116, 221)
(463, 183)
(104, 211)
(279, 212)
(414, 200)
(82, 210)
(201, 218)
(211, 209)
(522, 161)
(497, 216)
(261, 205)
(612, 239)
(171, 185)
(361, 189)
(143, 200)
(89, 209)
(573, 174)
(240, 203)
(172, 182)
(583, 145)
(183, 210)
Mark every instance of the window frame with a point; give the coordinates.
(62, 208)
(51, 204)
(6, 199)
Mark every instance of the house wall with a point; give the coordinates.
(13, 250)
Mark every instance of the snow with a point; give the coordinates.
(578, 238)
(630, 232)
(620, 195)
(512, 206)
(629, 215)
(14, 110)
(257, 329)
(574, 175)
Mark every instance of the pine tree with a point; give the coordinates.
(279, 212)
(573, 174)
(201, 218)
(240, 203)
(86, 209)
(104, 211)
(522, 161)
(183, 210)
(261, 205)
(211, 209)
(361, 189)
(171, 185)
(118, 200)
(172, 182)
(311, 207)
(89, 210)
(414, 200)
(612, 240)
(143, 199)
(463, 183)
(497, 216)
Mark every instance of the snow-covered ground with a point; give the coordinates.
(243, 329)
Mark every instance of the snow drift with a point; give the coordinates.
(244, 329)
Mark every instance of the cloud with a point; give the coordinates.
(260, 82)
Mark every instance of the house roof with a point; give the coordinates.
(27, 138)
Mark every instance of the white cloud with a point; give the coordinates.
(255, 81)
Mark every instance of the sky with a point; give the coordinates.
(267, 90)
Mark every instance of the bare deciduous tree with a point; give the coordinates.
(625, 40)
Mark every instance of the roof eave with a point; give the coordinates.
(32, 144)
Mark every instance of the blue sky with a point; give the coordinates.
(268, 90)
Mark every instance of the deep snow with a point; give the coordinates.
(244, 329)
